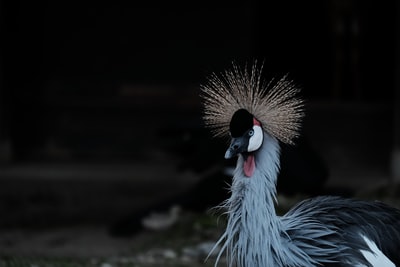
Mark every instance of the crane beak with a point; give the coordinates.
(238, 145)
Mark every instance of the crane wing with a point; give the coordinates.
(359, 226)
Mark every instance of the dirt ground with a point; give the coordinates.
(186, 243)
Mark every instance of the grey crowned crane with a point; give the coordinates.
(322, 231)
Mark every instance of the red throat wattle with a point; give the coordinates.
(249, 165)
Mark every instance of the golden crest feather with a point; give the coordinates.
(275, 104)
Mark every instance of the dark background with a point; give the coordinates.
(116, 84)
(74, 65)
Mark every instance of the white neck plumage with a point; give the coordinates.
(251, 212)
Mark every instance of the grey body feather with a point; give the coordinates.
(318, 232)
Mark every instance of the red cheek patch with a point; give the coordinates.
(256, 122)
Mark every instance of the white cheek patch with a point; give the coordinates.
(256, 140)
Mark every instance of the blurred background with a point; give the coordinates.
(100, 114)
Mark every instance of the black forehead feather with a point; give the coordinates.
(241, 122)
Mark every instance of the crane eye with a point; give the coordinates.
(251, 133)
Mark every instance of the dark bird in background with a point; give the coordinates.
(303, 172)
(321, 231)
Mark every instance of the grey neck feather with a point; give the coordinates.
(256, 236)
(252, 222)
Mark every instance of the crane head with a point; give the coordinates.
(246, 133)
(238, 102)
